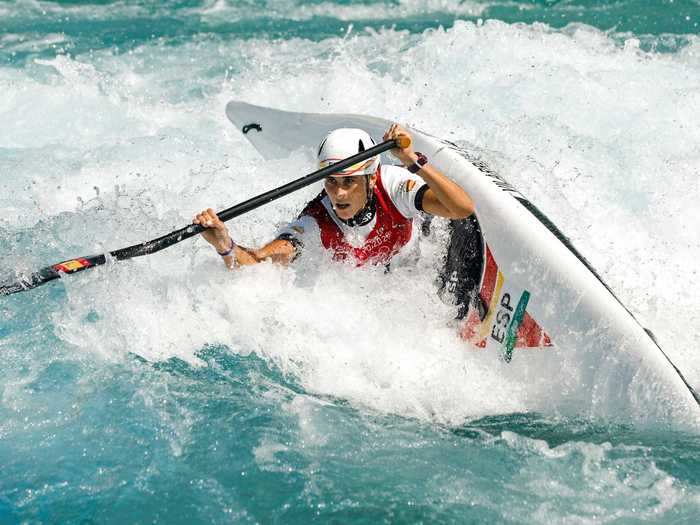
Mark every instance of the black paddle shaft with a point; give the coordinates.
(49, 273)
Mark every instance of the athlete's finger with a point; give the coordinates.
(201, 219)
(214, 219)
(210, 217)
(387, 133)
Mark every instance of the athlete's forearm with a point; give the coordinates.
(278, 251)
(444, 197)
(456, 202)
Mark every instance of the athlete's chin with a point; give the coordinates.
(343, 211)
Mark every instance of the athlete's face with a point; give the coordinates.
(348, 194)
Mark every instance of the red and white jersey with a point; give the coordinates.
(376, 242)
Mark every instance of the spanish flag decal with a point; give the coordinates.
(522, 332)
(74, 265)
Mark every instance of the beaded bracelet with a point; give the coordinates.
(229, 251)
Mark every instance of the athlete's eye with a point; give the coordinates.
(349, 182)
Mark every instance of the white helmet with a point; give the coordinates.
(342, 143)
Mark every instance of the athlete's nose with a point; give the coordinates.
(341, 193)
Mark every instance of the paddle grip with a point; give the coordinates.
(402, 141)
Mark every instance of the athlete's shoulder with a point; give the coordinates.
(401, 186)
(391, 173)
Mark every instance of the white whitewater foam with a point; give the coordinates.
(302, 11)
(603, 138)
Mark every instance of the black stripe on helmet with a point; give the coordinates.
(321, 147)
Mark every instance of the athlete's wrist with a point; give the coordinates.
(408, 158)
(225, 248)
(417, 165)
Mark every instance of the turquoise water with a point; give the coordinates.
(166, 390)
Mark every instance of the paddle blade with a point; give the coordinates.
(24, 282)
(49, 273)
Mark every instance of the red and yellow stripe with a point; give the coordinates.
(73, 265)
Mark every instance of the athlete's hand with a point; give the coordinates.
(406, 155)
(216, 232)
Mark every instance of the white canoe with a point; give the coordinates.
(541, 307)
